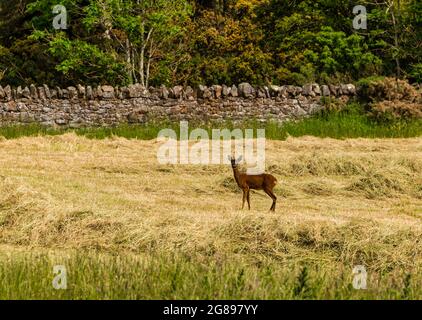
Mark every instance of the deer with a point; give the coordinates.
(246, 182)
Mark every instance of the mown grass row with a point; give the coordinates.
(350, 122)
(98, 276)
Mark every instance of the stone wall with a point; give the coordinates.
(106, 105)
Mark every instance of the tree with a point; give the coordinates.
(226, 46)
(142, 29)
(218, 41)
(306, 46)
(113, 40)
(20, 57)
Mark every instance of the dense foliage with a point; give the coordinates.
(221, 41)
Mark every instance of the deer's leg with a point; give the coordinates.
(244, 198)
(248, 198)
(274, 200)
(272, 195)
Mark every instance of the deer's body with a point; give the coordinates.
(265, 182)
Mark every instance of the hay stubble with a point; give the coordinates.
(341, 202)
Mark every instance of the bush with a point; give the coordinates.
(391, 99)
(394, 110)
(390, 89)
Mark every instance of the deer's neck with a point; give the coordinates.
(236, 174)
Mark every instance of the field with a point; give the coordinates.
(127, 227)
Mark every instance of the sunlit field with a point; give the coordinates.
(127, 227)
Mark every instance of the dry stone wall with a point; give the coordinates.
(83, 106)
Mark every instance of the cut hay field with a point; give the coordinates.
(127, 227)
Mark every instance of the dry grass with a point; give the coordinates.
(342, 203)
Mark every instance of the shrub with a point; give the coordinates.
(393, 110)
(391, 99)
(388, 89)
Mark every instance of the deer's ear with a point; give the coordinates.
(229, 158)
(239, 159)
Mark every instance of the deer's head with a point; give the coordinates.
(234, 161)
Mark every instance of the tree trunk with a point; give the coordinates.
(396, 37)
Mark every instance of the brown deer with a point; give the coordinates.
(247, 182)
